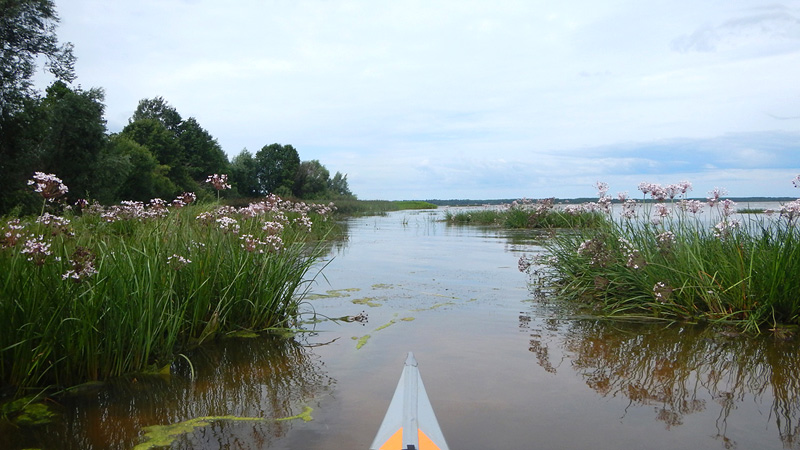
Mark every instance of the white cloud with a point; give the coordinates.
(501, 99)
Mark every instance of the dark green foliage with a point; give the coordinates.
(338, 186)
(158, 109)
(202, 153)
(144, 178)
(277, 167)
(244, 174)
(27, 31)
(75, 137)
(312, 180)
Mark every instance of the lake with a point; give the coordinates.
(504, 368)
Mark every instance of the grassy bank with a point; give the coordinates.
(98, 292)
(377, 207)
(666, 261)
(527, 214)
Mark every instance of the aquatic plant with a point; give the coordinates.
(105, 291)
(526, 213)
(662, 260)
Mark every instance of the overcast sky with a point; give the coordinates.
(469, 99)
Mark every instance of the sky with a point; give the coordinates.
(466, 99)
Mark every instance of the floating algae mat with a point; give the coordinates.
(157, 436)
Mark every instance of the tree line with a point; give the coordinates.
(158, 154)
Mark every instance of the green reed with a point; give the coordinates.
(144, 288)
(681, 268)
(526, 214)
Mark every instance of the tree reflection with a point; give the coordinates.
(266, 377)
(679, 370)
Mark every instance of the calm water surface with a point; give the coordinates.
(504, 368)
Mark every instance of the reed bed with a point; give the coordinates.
(667, 260)
(100, 292)
(526, 213)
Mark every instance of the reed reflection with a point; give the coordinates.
(266, 377)
(679, 370)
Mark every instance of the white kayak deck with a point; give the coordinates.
(410, 422)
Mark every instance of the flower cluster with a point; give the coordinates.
(49, 186)
(184, 199)
(596, 250)
(692, 206)
(37, 249)
(791, 210)
(12, 233)
(629, 209)
(665, 241)
(661, 291)
(82, 261)
(661, 193)
(635, 260)
(219, 182)
(725, 228)
(178, 262)
(228, 224)
(57, 224)
(272, 243)
(714, 196)
(133, 210)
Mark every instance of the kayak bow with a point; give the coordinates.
(410, 423)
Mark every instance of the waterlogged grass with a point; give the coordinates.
(97, 294)
(669, 261)
(527, 214)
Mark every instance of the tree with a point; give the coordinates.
(75, 136)
(338, 186)
(145, 178)
(276, 169)
(312, 180)
(27, 31)
(244, 175)
(163, 144)
(158, 108)
(203, 154)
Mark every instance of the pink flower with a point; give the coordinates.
(48, 185)
(219, 182)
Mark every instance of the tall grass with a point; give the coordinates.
(664, 261)
(111, 291)
(527, 214)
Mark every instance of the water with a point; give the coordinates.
(503, 369)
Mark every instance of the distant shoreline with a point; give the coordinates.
(469, 202)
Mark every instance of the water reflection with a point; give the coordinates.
(679, 370)
(267, 377)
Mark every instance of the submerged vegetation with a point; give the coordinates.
(102, 291)
(666, 260)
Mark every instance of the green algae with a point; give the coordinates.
(386, 325)
(369, 301)
(382, 286)
(305, 416)
(156, 436)
(362, 341)
(407, 319)
(432, 307)
(35, 414)
(336, 293)
(244, 334)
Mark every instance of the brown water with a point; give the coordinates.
(504, 369)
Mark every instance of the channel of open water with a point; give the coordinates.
(504, 368)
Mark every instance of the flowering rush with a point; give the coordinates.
(49, 186)
(219, 182)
